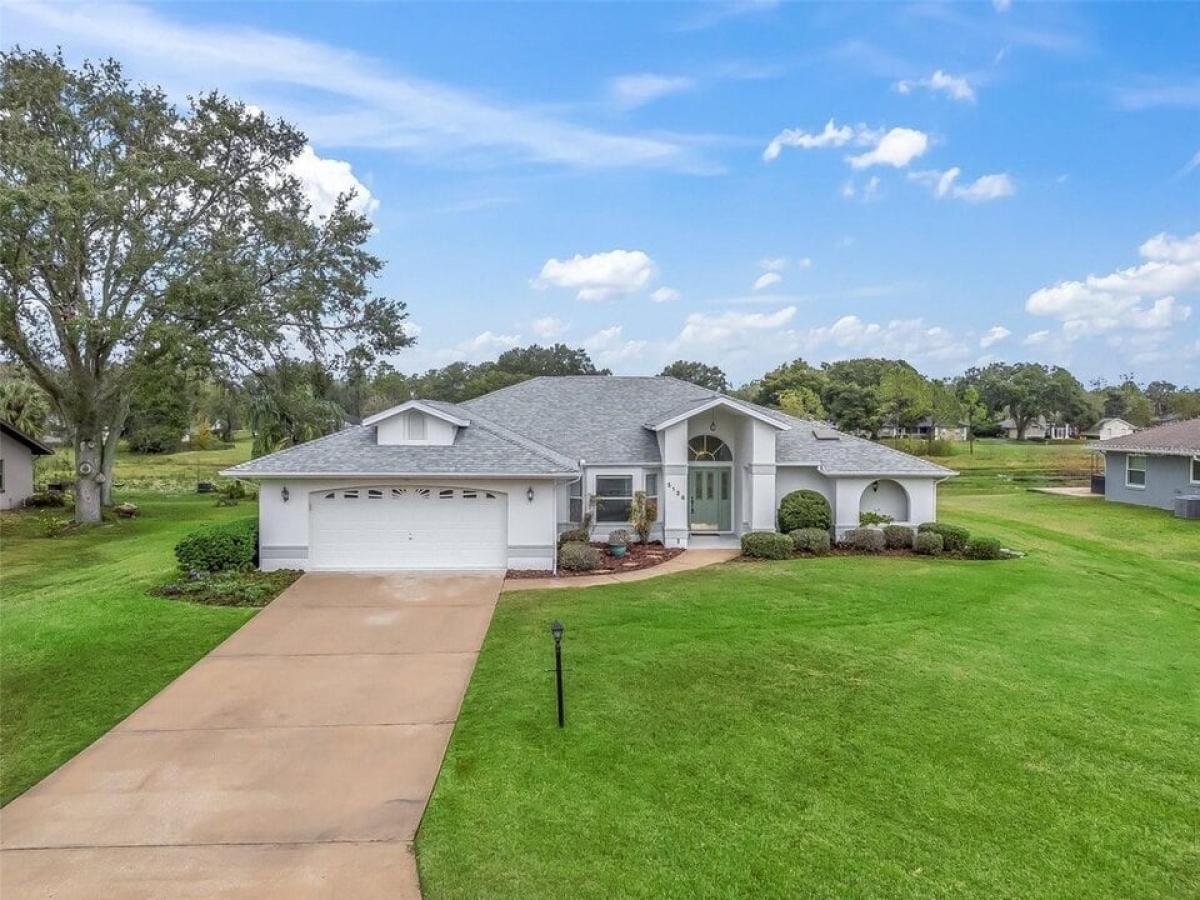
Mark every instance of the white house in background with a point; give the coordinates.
(1040, 429)
(1107, 429)
(490, 483)
(943, 431)
(17, 450)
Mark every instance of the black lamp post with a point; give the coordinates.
(556, 629)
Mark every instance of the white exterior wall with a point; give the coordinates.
(438, 432)
(18, 472)
(672, 446)
(283, 526)
(600, 530)
(1111, 430)
(922, 500)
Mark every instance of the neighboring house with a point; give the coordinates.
(17, 451)
(941, 430)
(1107, 429)
(490, 483)
(1040, 429)
(1153, 467)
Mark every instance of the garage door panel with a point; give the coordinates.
(392, 527)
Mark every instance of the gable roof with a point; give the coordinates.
(425, 406)
(485, 448)
(36, 447)
(1172, 439)
(717, 401)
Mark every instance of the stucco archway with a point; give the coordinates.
(885, 497)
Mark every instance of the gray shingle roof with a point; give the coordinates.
(1172, 439)
(551, 423)
(482, 448)
(602, 419)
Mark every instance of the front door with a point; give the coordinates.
(710, 496)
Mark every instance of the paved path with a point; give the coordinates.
(689, 559)
(294, 761)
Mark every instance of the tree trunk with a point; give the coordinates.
(88, 478)
(108, 456)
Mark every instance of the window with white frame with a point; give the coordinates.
(575, 501)
(652, 487)
(1196, 470)
(1135, 471)
(614, 496)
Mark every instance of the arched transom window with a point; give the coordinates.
(706, 448)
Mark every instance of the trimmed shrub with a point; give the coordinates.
(618, 538)
(577, 556)
(898, 537)
(810, 540)
(929, 543)
(46, 500)
(804, 509)
(230, 547)
(983, 548)
(954, 537)
(767, 545)
(574, 536)
(869, 540)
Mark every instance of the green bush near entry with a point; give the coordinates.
(869, 540)
(929, 543)
(954, 537)
(767, 545)
(577, 556)
(230, 547)
(898, 537)
(810, 540)
(804, 509)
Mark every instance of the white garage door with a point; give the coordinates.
(408, 528)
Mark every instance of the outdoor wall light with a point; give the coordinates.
(283, 493)
(875, 486)
(529, 495)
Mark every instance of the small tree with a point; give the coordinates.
(642, 514)
(974, 413)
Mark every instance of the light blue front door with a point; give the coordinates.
(710, 498)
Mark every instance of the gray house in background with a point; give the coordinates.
(1153, 467)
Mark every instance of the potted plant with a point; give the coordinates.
(618, 542)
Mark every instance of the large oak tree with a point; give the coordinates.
(123, 215)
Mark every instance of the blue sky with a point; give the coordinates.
(739, 183)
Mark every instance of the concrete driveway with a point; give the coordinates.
(295, 760)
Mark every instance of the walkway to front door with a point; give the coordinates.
(710, 497)
(294, 761)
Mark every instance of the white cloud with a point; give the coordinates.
(866, 194)
(766, 280)
(664, 295)
(1139, 298)
(487, 343)
(1160, 93)
(775, 263)
(984, 188)
(1036, 338)
(361, 101)
(1191, 164)
(993, 335)
(324, 179)
(608, 348)
(631, 91)
(599, 276)
(1002, 6)
(832, 135)
(727, 329)
(549, 327)
(897, 148)
(954, 86)
(899, 338)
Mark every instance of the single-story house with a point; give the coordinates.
(1153, 467)
(945, 431)
(1108, 428)
(17, 450)
(492, 482)
(1039, 429)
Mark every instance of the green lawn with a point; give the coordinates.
(81, 642)
(159, 472)
(999, 466)
(846, 727)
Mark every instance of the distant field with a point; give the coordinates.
(999, 466)
(156, 472)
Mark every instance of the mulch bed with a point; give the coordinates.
(637, 556)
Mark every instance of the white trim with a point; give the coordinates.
(713, 404)
(1145, 470)
(1192, 470)
(418, 405)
